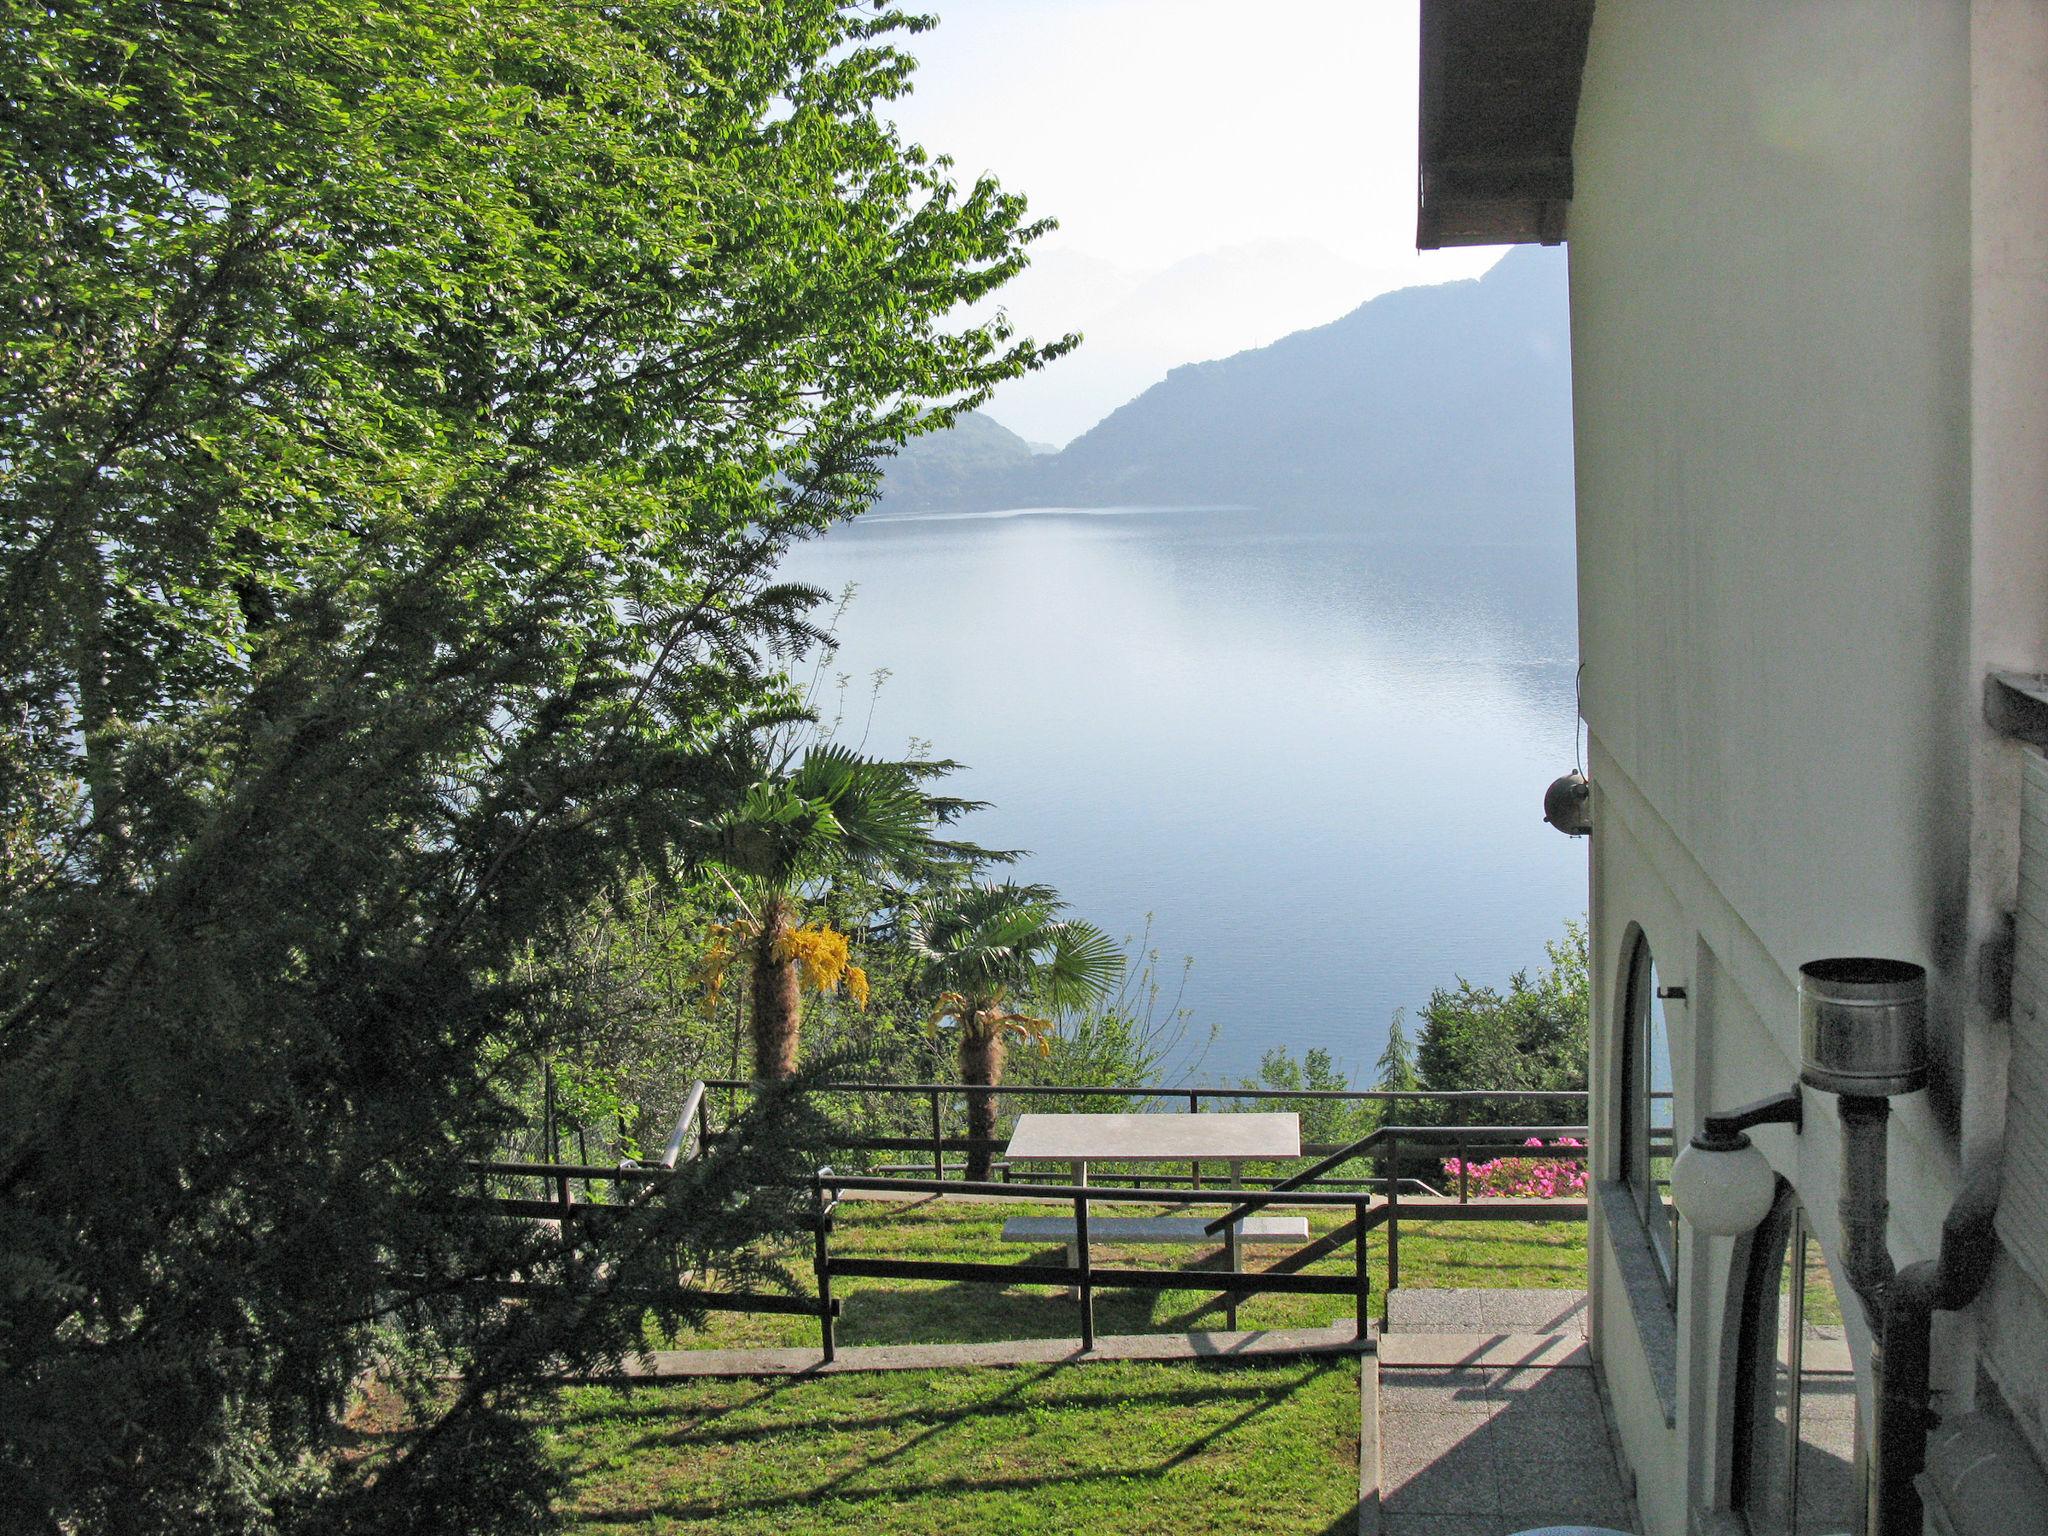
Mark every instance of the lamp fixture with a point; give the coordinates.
(1568, 804)
(1721, 1184)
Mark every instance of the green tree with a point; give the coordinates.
(406, 407)
(1396, 1064)
(1324, 1122)
(795, 827)
(1533, 1036)
(989, 952)
(1137, 1036)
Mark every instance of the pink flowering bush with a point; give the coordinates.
(1547, 1178)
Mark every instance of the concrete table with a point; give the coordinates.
(1079, 1140)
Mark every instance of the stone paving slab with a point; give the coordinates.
(1486, 1449)
(682, 1364)
(1450, 1310)
(1484, 1351)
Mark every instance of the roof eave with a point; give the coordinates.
(1499, 106)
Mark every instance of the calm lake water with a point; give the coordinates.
(1316, 764)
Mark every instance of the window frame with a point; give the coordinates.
(1640, 1019)
(1765, 1461)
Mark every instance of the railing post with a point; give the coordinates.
(1393, 1221)
(1361, 1272)
(1195, 1167)
(938, 1140)
(1233, 1245)
(1086, 1288)
(565, 1202)
(822, 1260)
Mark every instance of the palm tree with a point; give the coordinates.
(833, 813)
(993, 950)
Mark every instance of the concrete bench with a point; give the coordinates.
(1257, 1230)
(1132, 1230)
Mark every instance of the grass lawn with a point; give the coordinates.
(1126, 1448)
(1445, 1254)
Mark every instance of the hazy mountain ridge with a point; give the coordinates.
(1441, 411)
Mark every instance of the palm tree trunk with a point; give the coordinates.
(981, 1062)
(778, 1008)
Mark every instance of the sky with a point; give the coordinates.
(1162, 132)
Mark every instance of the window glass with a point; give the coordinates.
(1798, 1476)
(1651, 1121)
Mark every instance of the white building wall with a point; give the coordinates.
(1805, 238)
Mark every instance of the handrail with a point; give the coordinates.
(1454, 1135)
(1314, 1170)
(625, 1173)
(693, 1104)
(1144, 1091)
(1096, 1192)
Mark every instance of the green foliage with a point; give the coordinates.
(406, 407)
(1136, 1036)
(1323, 1121)
(1533, 1036)
(836, 812)
(1396, 1064)
(993, 944)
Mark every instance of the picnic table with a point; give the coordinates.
(1079, 1140)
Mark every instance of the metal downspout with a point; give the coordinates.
(1946, 1283)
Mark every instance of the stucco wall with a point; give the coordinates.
(1772, 313)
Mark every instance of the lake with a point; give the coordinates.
(1314, 764)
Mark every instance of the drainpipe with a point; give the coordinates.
(1865, 1205)
(1947, 1283)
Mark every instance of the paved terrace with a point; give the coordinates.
(1490, 1418)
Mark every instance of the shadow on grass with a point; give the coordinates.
(852, 1483)
(996, 1408)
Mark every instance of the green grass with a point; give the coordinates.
(1189, 1448)
(1433, 1254)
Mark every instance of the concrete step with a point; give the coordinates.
(1340, 1338)
(1413, 1309)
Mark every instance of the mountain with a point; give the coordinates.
(1139, 326)
(929, 473)
(1441, 412)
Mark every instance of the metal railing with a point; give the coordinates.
(933, 1144)
(1376, 1201)
(1081, 1276)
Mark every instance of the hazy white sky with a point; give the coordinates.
(1157, 129)
(1224, 172)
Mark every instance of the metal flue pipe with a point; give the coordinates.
(1863, 1035)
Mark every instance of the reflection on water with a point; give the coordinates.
(1317, 765)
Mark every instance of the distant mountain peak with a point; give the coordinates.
(1440, 412)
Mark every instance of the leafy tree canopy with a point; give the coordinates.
(1535, 1035)
(406, 403)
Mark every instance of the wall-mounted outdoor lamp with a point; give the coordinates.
(1568, 804)
(1721, 1183)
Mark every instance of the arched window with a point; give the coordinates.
(1795, 1465)
(1648, 1123)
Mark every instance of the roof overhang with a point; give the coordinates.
(1500, 100)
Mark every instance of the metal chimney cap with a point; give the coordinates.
(1863, 1025)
